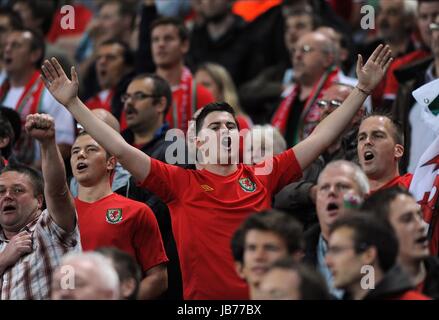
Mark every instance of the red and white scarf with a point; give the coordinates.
(182, 107)
(310, 115)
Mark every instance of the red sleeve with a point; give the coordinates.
(168, 182)
(391, 87)
(203, 96)
(148, 240)
(279, 171)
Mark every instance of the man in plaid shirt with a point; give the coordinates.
(33, 240)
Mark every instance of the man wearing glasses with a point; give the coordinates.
(313, 58)
(146, 102)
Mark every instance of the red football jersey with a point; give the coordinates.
(206, 209)
(116, 221)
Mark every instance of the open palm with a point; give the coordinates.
(370, 74)
(55, 79)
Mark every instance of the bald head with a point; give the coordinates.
(108, 118)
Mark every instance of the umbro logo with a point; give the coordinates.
(206, 188)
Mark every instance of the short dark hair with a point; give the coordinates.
(379, 203)
(41, 9)
(34, 176)
(125, 9)
(370, 232)
(212, 107)
(6, 131)
(312, 285)
(14, 17)
(398, 134)
(285, 226)
(183, 32)
(37, 42)
(128, 56)
(161, 89)
(125, 266)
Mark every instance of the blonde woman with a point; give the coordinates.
(218, 81)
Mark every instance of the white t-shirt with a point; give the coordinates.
(64, 125)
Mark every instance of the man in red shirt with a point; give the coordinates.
(229, 190)
(380, 147)
(107, 219)
(169, 45)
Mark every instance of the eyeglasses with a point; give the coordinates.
(304, 49)
(434, 26)
(137, 96)
(335, 250)
(329, 103)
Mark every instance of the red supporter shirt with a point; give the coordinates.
(122, 223)
(206, 209)
(402, 181)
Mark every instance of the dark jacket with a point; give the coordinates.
(234, 51)
(409, 78)
(312, 236)
(261, 95)
(431, 282)
(395, 284)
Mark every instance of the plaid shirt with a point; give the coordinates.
(30, 278)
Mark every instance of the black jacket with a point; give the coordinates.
(234, 51)
(395, 283)
(312, 236)
(431, 282)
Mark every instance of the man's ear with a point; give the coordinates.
(4, 142)
(185, 46)
(298, 255)
(111, 163)
(35, 55)
(127, 287)
(40, 200)
(161, 106)
(370, 256)
(399, 151)
(239, 267)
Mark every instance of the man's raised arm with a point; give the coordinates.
(65, 91)
(369, 75)
(56, 192)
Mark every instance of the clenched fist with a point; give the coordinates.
(40, 127)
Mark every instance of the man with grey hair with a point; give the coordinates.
(85, 276)
(341, 186)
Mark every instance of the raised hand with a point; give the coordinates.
(370, 74)
(40, 127)
(55, 79)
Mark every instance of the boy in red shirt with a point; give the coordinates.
(107, 219)
(207, 205)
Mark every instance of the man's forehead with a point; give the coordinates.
(337, 92)
(336, 173)
(17, 178)
(20, 35)
(85, 139)
(141, 84)
(343, 235)
(218, 116)
(375, 122)
(114, 48)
